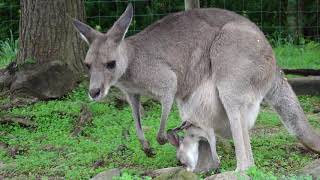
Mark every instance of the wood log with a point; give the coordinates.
(306, 85)
(302, 72)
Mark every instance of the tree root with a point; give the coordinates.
(23, 121)
(18, 102)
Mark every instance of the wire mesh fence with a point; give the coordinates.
(277, 18)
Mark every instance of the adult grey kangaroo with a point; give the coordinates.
(173, 57)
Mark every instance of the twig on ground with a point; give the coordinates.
(98, 163)
(84, 119)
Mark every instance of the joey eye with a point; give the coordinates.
(111, 65)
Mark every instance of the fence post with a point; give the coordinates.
(191, 4)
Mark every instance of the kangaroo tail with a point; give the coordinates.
(285, 102)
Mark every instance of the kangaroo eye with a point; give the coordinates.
(111, 65)
(87, 65)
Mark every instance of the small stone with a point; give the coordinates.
(312, 169)
(158, 172)
(107, 175)
(230, 175)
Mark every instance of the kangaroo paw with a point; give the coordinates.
(162, 139)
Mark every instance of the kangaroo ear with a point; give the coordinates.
(185, 125)
(173, 138)
(121, 26)
(87, 33)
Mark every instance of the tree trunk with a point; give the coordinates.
(49, 62)
(300, 19)
(295, 19)
(47, 34)
(191, 4)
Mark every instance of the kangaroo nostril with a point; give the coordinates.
(94, 93)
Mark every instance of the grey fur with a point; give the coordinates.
(285, 102)
(175, 56)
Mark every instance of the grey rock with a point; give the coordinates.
(169, 170)
(43, 81)
(230, 175)
(107, 175)
(312, 169)
(176, 173)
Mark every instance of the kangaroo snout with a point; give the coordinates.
(94, 93)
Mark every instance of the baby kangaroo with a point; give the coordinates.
(192, 149)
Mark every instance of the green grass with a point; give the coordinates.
(291, 56)
(50, 151)
(8, 51)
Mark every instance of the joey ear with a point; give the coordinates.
(173, 138)
(121, 26)
(87, 33)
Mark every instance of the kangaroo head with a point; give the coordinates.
(106, 58)
(187, 147)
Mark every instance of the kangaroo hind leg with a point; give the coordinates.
(237, 109)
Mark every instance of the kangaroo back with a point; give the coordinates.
(285, 102)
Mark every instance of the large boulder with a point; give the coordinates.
(43, 81)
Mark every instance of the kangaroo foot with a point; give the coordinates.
(147, 149)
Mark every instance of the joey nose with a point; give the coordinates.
(94, 93)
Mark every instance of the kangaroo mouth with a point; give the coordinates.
(98, 96)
